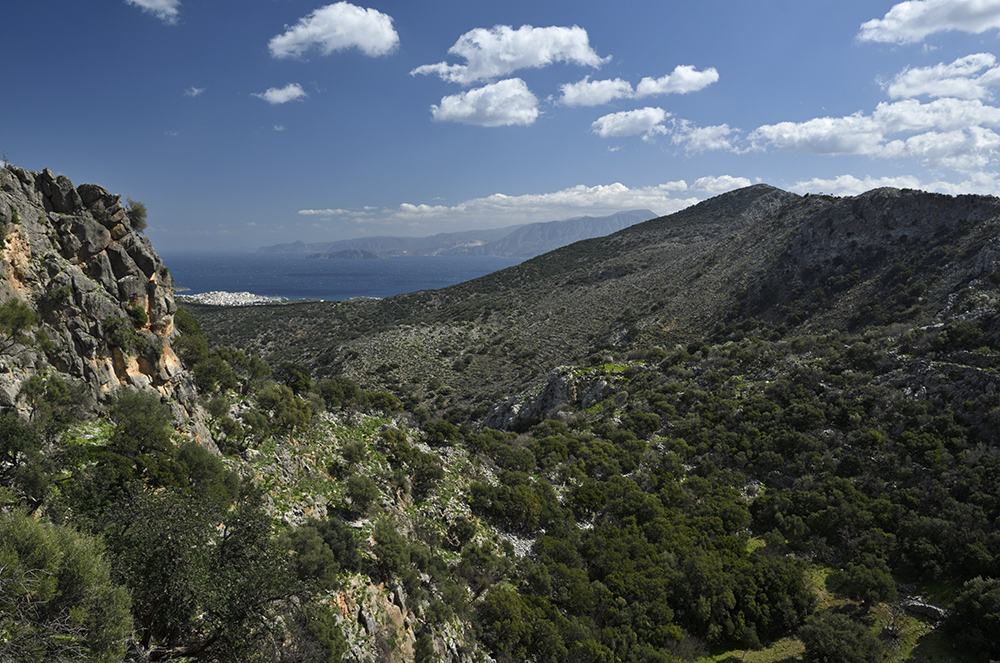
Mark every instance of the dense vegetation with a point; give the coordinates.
(684, 513)
(772, 487)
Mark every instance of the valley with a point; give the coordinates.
(763, 428)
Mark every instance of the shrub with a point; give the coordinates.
(136, 215)
(975, 616)
(57, 599)
(834, 637)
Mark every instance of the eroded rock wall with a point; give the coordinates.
(104, 298)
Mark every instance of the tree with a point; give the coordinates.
(57, 600)
(54, 403)
(295, 376)
(205, 580)
(830, 637)
(22, 464)
(16, 318)
(141, 439)
(868, 582)
(975, 616)
(136, 215)
(312, 561)
(362, 492)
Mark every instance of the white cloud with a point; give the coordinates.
(279, 127)
(594, 93)
(703, 139)
(713, 186)
(503, 50)
(947, 133)
(912, 21)
(645, 121)
(849, 185)
(499, 209)
(324, 212)
(961, 79)
(854, 134)
(291, 92)
(337, 27)
(194, 92)
(682, 80)
(167, 11)
(503, 103)
(942, 114)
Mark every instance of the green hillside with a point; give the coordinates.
(761, 429)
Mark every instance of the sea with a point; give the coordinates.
(297, 276)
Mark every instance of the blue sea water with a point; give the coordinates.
(296, 276)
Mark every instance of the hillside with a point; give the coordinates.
(758, 258)
(761, 429)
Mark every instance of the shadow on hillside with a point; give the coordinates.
(937, 648)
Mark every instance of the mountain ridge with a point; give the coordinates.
(744, 258)
(517, 241)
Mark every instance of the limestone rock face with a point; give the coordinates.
(562, 388)
(70, 253)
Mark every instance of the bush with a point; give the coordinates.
(16, 317)
(57, 600)
(136, 215)
(362, 492)
(831, 636)
(975, 616)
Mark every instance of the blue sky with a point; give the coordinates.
(242, 123)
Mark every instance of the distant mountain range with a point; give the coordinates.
(520, 241)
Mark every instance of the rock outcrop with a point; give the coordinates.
(564, 388)
(105, 301)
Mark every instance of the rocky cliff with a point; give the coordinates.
(103, 299)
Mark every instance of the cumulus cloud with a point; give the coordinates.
(646, 122)
(696, 139)
(503, 50)
(337, 27)
(682, 80)
(324, 212)
(503, 103)
(500, 209)
(274, 95)
(713, 186)
(854, 134)
(594, 93)
(912, 21)
(947, 133)
(964, 78)
(194, 92)
(849, 185)
(167, 11)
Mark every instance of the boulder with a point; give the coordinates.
(131, 289)
(59, 192)
(121, 261)
(99, 268)
(82, 238)
(108, 209)
(91, 193)
(918, 606)
(141, 251)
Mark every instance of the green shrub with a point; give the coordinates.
(136, 215)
